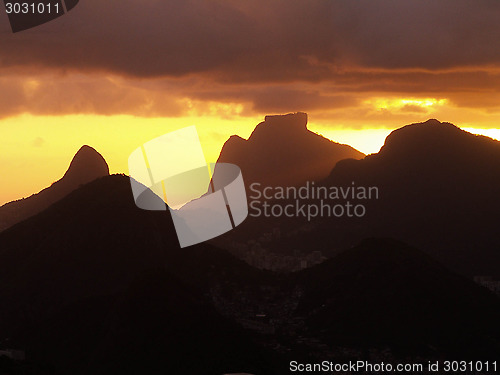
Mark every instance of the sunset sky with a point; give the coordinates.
(113, 74)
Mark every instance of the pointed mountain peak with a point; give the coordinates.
(87, 151)
(87, 165)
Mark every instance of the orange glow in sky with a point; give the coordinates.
(36, 150)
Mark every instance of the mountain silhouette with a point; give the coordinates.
(439, 189)
(86, 166)
(384, 293)
(281, 151)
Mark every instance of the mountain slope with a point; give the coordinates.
(86, 166)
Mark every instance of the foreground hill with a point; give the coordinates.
(383, 293)
(86, 166)
(95, 285)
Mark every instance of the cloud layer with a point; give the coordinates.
(159, 58)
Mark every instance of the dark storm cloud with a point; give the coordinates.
(281, 40)
(154, 38)
(421, 34)
(272, 98)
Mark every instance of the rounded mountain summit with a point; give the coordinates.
(86, 166)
